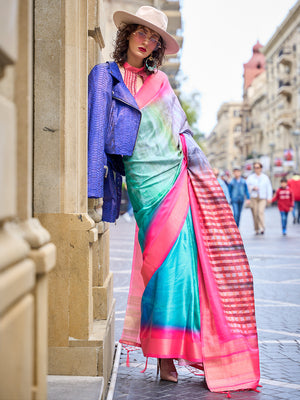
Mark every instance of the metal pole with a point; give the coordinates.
(272, 146)
(297, 155)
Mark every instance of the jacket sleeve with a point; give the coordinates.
(230, 188)
(246, 190)
(99, 104)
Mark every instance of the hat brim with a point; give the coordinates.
(123, 17)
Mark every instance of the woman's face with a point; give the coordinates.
(142, 43)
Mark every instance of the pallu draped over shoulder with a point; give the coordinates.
(191, 291)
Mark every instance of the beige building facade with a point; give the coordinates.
(271, 108)
(270, 111)
(222, 151)
(56, 290)
(282, 125)
(250, 142)
(253, 143)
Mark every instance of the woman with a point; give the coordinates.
(191, 294)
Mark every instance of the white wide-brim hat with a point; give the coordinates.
(151, 18)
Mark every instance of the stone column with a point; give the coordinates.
(81, 306)
(26, 255)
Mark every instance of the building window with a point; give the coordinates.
(236, 113)
(238, 128)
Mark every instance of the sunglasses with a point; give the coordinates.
(257, 167)
(141, 36)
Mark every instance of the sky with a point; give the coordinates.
(218, 40)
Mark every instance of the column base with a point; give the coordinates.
(92, 357)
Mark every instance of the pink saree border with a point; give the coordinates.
(166, 226)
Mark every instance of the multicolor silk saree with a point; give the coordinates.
(191, 291)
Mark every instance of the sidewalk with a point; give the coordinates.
(275, 264)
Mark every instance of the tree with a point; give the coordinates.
(191, 106)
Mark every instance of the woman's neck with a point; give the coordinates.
(134, 62)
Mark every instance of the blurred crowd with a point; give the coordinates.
(256, 192)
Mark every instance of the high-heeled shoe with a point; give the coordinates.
(171, 375)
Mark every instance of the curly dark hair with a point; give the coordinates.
(119, 54)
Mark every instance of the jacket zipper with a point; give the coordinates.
(125, 102)
(130, 105)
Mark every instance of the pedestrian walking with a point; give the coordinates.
(188, 299)
(294, 185)
(285, 202)
(222, 183)
(128, 214)
(261, 194)
(238, 191)
(225, 175)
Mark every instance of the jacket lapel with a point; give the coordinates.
(120, 90)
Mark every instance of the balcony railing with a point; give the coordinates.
(171, 5)
(285, 117)
(171, 67)
(284, 83)
(174, 20)
(285, 57)
(285, 88)
(255, 128)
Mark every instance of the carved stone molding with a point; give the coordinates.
(96, 34)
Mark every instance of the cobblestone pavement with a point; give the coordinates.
(275, 264)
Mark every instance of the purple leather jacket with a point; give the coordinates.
(113, 123)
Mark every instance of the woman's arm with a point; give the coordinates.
(99, 104)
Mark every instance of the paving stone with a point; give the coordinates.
(275, 264)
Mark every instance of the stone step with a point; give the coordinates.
(75, 387)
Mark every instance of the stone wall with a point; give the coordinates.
(69, 40)
(26, 253)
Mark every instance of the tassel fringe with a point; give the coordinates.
(228, 395)
(145, 366)
(128, 350)
(189, 367)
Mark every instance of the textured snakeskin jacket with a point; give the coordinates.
(113, 123)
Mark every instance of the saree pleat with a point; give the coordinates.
(191, 290)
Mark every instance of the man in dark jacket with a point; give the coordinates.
(238, 190)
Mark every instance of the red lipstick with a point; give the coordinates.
(142, 49)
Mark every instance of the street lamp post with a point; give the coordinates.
(272, 146)
(296, 134)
